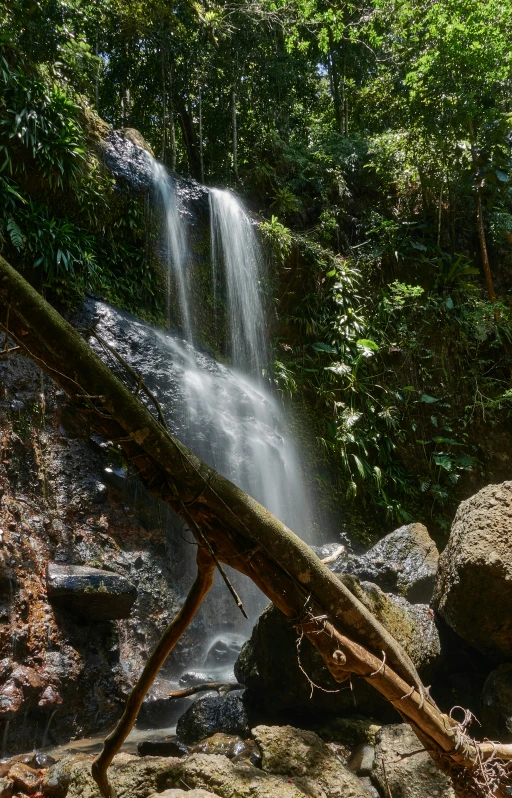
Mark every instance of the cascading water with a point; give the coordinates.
(234, 246)
(226, 415)
(174, 249)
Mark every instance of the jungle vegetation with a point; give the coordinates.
(374, 141)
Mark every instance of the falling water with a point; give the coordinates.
(46, 732)
(174, 247)
(235, 425)
(235, 247)
(5, 738)
(227, 415)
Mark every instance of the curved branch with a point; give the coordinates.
(114, 741)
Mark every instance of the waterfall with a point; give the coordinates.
(174, 247)
(234, 246)
(228, 416)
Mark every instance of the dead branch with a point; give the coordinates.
(222, 687)
(181, 622)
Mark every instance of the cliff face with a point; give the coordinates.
(58, 503)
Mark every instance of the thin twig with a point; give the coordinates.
(204, 540)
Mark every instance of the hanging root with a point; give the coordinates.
(490, 774)
(114, 741)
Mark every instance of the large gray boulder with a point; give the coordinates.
(130, 776)
(216, 773)
(273, 671)
(91, 593)
(403, 769)
(473, 590)
(302, 755)
(403, 562)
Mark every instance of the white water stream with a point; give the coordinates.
(228, 416)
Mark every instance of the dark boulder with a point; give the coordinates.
(403, 562)
(224, 651)
(172, 747)
(213, 714)
(91, 593)
(272, 667)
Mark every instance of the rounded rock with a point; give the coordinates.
(473, 590)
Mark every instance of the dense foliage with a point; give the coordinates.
(373, 139)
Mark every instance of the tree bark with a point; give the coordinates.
(172, 128)
(242, 533)
(235, 132)
(480, 219)
(189, 138)
(201, 159)
(164, 104)
(335, 84)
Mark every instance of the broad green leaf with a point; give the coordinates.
(444, 461)
(366, 343)
(321, 347)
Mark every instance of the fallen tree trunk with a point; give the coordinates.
(237, 530)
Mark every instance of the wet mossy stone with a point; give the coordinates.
(211, 714)
(272, 667)
(90, 593)
(403, 562)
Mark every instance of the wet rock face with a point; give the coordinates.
(403, 768)
(473, 590)
(213, 714)
(130, 159)
(60, 677)
(403, 562)
(127, 159)
(269, 662)
(90, 593)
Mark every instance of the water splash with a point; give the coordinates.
(235, 249)
(236, 426)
